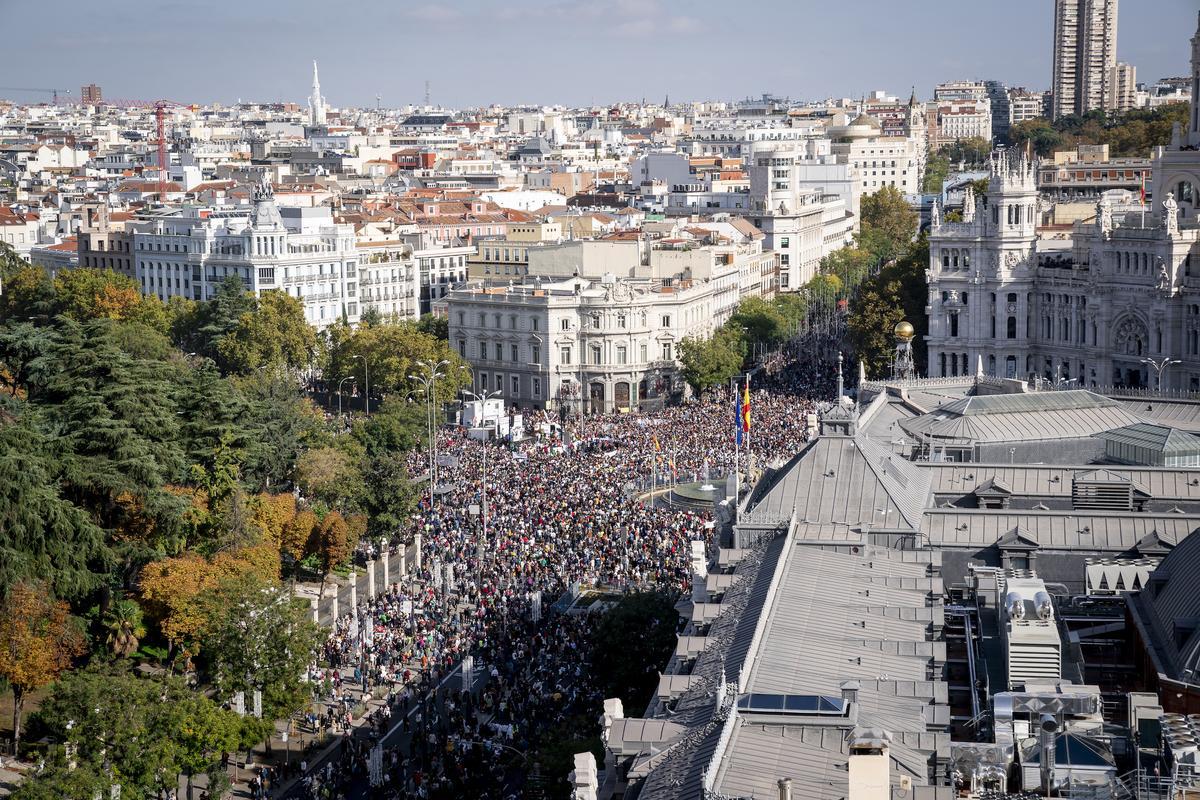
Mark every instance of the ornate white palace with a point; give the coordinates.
(1106, 305)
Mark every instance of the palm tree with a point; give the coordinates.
(123, 622)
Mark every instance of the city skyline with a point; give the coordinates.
(476, 53)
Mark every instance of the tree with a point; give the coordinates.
(123, 627)
(628, 641)
(887, 212)
(38, 641)
(85, 294)
(28, 292)
(273, 335)
(436, 326)
(331, 476)
(937, 168)
(142, 732)
(43, 535)
(173, 587)
(278, 423)
(202, 328)
(896, 293)
(710, 362)
(398, 425)
(761, 320)
(259, 638)
(390, 353)
(335, 544)
(972, 151)
(390, 497)
(114, 433)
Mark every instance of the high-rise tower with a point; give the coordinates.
(316, 103)
(1085, 56)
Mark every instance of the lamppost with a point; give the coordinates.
(482, 398)
(428, 382)
(1160, 365)
(343, 380)
(367, 383)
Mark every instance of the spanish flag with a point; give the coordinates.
(746, 406)
(655, 439)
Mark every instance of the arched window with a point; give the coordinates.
(1012, 328)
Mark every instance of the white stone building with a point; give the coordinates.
(1106, 306)
(801, 224)
(578, 344)
(188, 251)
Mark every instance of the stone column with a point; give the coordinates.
(371, 579)
(354, 593)
(417, 551)
(387, 581)
(315, 606)
(335, 604)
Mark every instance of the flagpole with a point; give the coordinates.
(749, 452)
(737, 429)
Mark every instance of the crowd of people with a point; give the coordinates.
(561, 512)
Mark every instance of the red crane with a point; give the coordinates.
(160, 107)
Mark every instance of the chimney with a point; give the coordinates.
(870, 766)
(785, 789)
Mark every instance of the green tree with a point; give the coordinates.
(279, 422)
(331, 476)
(123, 627)
(43, 535)
(389, 353)
(143, 732)
(888, 213)
(85, 294)
(711, 362)
(937, 168)
(114, 432)
(973, 151)
(762, 321)
(897, 292)
(258, 637)
(272, 335)
(390, 497)
(436, 326)
(629, 642)
(398, 425)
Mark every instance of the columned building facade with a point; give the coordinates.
(1118, 303)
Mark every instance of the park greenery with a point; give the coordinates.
(1131, 134)
(871, 285)
(164, 475)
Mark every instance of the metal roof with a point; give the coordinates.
(849, 481)
(1098, 533)
(1157, 438)
(968, 423)
(1162, 483)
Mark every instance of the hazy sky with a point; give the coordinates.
(576, 52)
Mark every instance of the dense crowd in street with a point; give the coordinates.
(561, 511)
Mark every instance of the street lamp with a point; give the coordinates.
(1160, 365)
(428, 382)
(367, 383)
(343, 380)
(482, 398)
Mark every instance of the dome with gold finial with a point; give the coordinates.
(904, 331)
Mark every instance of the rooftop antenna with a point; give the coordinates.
(427, 92)
(378, 99)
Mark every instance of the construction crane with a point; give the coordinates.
(160, 107)
(52, 92)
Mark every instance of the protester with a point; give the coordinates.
(565, 507)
